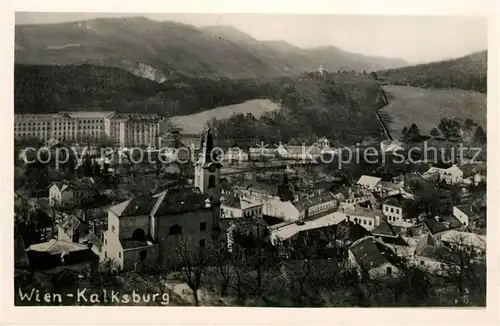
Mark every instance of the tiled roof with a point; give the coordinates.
(369, 181)
(466, 209)
(313, 200)
(178, 200)
(55, 247)
(93, 239)
(134, 207)
(464, 238)
(440, 254)
(370, 253)
(443, 223)
(362, 211)
(350, 231)
(426, 240)
(385, 229)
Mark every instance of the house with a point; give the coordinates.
(368, 182)
(450, 175)
(276, 200)
(355, 195)
(287, 230)
(348, 232)
(464, 214)
(388, 234)
(367, 217)
(372, 259)
(237, 207)
(471, 242)
(142, 230)
(439, 224)
(315, 204)
(67, 191)
(433, 256)
(55, 256)
(398, 208)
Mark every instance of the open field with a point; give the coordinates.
(426, 107)
(194, 123)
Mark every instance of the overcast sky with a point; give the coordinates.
(413, 38)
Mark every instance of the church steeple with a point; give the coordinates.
(208, 155)
(207, 169)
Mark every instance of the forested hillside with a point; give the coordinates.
(43, 89)
(469, 73)
(338, 106)
(315, 106)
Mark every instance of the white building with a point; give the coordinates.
(240, 207)
(82, 126)
(452, 175)
(61, 192)
(368, 182)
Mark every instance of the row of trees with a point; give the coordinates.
(450, 129)
(302, 273)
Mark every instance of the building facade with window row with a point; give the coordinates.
(122, 129)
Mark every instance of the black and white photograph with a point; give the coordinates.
(249, 160)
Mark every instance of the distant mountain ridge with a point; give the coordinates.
(161, 50)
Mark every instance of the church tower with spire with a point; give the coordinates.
(207, 174)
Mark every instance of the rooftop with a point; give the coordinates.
(362, 211)
(287, 230)
(442, 223)
(178, 200)
(466, 209)
(314, 200)
(87, 114)
(440, 254)
(465, 239)
(385, 229)
(55, 247)
(370, 253)
(239, 202)
(369, 181)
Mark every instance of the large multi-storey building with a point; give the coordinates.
(135, 129)
(123, 129)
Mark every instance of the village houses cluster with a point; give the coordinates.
(375, 220)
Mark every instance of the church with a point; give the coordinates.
(144, 231)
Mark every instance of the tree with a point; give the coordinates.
(193, 260)
(480, 136)
(450, 127)
(404, 133)
(434, 132)
(374, 75)
(413, 132)
(465, 269)
(224, 270)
